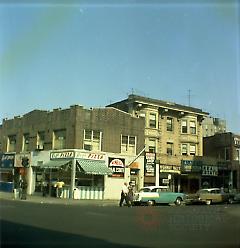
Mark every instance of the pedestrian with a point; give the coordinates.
(130, 194)
(44, 188)
(24, 189)
(124, 195)
(59, 186)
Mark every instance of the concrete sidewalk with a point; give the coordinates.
(53, 200)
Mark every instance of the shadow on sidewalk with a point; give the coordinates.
(24, 236)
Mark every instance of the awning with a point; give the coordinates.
(93, 167)
(56, 164)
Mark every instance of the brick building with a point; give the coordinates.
(225, 147)
(174, 133)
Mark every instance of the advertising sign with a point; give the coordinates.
(149, 165)
(7, 160)
(209, 170)
(170, 169)
(117, 165)
(188, 166)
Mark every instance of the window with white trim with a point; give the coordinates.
(11, 146)
(184, 128)
(40, 140)
(153, 120)
(59, 139)
(152, 145)
(238, 154)
(25, 142)
(184, 149)
(169, 124)
(169, 148)
(128, 144)
(92, 140)
(192, 149)
(193, 129)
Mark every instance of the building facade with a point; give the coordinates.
(226, 147)
(100, 131)
(174, 133)
(212, 126)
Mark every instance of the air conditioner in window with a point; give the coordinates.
(40, 147)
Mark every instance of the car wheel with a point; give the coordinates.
(178, 201)
(208, 202)
(150, 203)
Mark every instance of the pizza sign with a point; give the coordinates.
(117, 165)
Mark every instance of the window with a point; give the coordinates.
(184, 126)
(152, 120)
(227, 154)
(26, 142)
(92, 140)
(193, 127)
(169, 124)
(238, 154)
(152, 145)
(192, 149)
(128, 144)
(169, 148)
(40, 140)
(184, 150)
(59, 139)
(12, 140)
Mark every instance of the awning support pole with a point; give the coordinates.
(73, 176)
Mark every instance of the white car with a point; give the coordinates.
(148, 192)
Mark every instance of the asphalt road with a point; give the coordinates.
(26, 224)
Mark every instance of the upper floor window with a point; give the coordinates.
(153, 120)
(11, 146)
(59, 139)
(169, 124)
(152, 145)
(92, 140)
(227, 153)
(169, 148)
(26, 142)
(40, 140)
(238, 154)
(184, 126)
(193, 127)
(184, 149)
(192, 149)
(128, 144)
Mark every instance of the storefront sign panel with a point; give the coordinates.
(208, 170)
(7, 160)
(117, 165)
(170, 169)
(150, 160)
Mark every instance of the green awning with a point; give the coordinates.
(93, 167)
(55, 164)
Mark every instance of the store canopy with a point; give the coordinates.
(56, 164)
(93, 167)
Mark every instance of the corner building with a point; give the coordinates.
(98, 134)
(173, 133)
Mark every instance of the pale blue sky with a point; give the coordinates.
(58, 53)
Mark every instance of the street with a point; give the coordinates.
(26, 224)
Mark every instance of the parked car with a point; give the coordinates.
(236, 198)
(209, 196)
(153, 195)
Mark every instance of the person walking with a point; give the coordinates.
(130, 194)
(124, 195)
(59, 186)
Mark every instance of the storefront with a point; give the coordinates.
(170, 176)
(7, 171)
(190, 179)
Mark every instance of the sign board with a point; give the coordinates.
(149, 165)
(165, 181)
(208, 170)
(117, 165)
(7, 160)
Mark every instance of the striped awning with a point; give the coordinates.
(93, 167)
(55, 164)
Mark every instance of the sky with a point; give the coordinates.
(92, 53)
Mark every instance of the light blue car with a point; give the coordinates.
(154, 195)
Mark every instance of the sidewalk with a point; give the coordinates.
(53, 200)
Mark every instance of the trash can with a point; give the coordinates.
(16, 193)
(76, 194)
